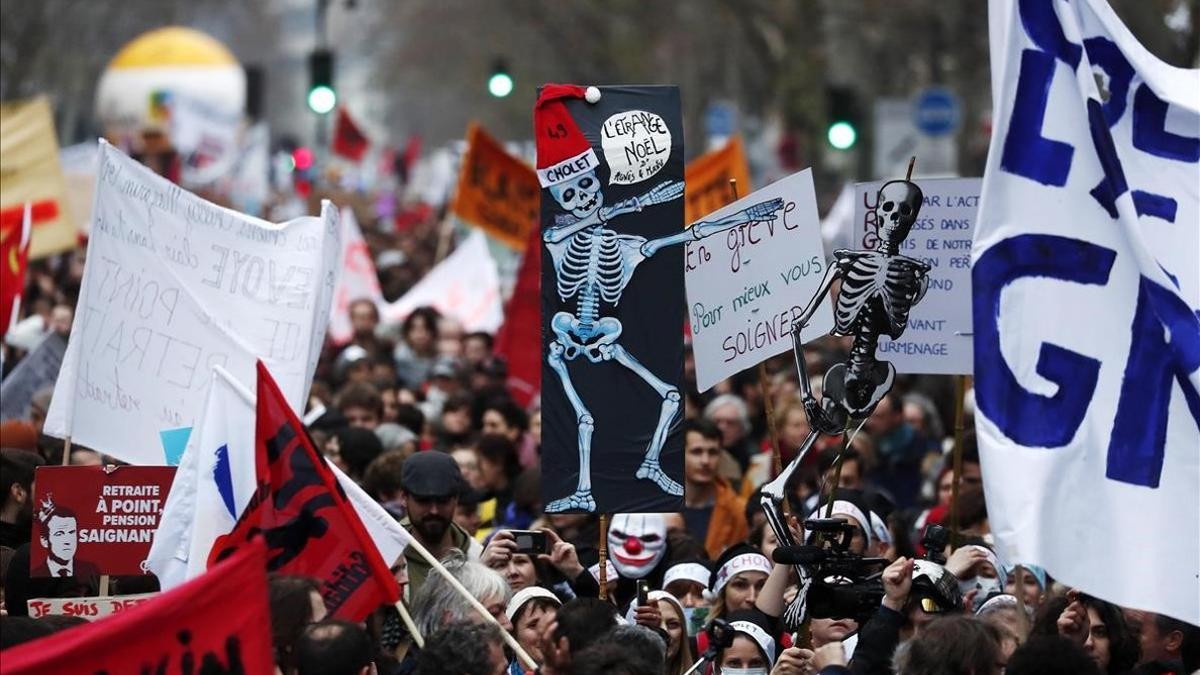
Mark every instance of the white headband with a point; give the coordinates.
(746, 562)
(525, 595)
(688, 571)
(995, 562)
(756, 633)
(655, 596)
(880, 528)
(845, 508)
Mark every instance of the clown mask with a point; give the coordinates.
(637, 542)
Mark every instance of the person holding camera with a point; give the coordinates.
(528, 558)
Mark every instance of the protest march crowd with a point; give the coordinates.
(419, 414)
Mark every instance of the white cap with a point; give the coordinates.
(746, 562)
(756, 633)
(690, 571)
(525, 595)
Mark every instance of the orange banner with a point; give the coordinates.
(707, 180)
(30, 172)
(497, 192)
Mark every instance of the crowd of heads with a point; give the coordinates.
(419, 413)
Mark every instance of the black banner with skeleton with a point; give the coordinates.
(610, 161)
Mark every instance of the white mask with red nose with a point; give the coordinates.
(637, 542)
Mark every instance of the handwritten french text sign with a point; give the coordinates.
(746, 285)
(938, 338)
(173, 286)
(87, 608)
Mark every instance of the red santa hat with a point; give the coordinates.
(563, 152)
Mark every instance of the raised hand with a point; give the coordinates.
(897, 583)
(562, 556)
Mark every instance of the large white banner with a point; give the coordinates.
(1086, 271)
(173, 286)
(746, 286)
(465, 286)
(938, 338)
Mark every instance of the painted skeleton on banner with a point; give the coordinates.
(593, 264)
(879, 289)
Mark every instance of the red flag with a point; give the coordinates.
(14, 256)
(219, 622)
(519, 339)
(310, 527)
(348, 140)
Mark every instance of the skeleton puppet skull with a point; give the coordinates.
(637, 542)
(896, 209)
(580, 195)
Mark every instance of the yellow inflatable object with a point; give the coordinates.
(173, 46)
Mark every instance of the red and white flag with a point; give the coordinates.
(310, 526)
(357, 281)
(522, 328)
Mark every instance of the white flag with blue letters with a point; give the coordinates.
(1086, 274)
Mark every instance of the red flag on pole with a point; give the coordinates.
(216, 623)
(520, 336)
(14, 256)
(348, 140)
(309, 526)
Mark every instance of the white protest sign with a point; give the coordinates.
(357, 281)
(636, 144)
(88, 608)
(746, 286)
(938, 338)
(465, 286)
(173, 286)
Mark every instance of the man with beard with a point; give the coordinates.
(16, 496)
(430, 484)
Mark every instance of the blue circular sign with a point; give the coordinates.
(936, 112)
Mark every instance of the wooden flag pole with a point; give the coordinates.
(410, 624)
(445, 233)
(603, 556)
(103, 586)
(960, 393)
(475, 604)
(66, 458)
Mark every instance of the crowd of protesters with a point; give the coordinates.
(419, 414)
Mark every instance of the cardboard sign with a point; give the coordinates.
(173, 286)
(707, 178)
(497, 192)
(91, 520)
(88, 608)
(746, 285)
(938, 338)
(38, 369)
(29, 154)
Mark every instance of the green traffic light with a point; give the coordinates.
(842, 135)
(500, 85)
(322, 99)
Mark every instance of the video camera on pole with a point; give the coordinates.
(845, 585)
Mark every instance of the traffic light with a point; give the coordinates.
(322, 97)
(842, 132)
(500, 84)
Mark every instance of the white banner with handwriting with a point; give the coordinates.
(173, 286)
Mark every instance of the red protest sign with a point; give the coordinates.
(300, 510)
(215, 623)
(92, 520)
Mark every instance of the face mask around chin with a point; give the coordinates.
(743, 671)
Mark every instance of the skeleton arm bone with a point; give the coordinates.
(758, 212)
(659, 194)
(560, 233)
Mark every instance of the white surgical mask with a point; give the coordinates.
(743, 671)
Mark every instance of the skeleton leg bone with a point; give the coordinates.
(650, 468)
(582, 499)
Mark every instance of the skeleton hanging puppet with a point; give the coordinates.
(611, 328)
(879, 289)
